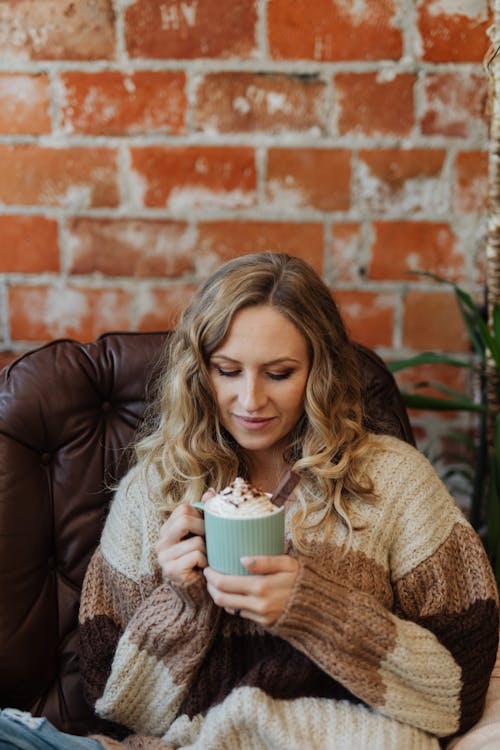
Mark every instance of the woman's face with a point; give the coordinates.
(259, 374)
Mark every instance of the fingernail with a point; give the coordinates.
(249, 562)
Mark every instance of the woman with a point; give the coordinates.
(377, 629)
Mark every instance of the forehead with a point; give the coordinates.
(264, 329)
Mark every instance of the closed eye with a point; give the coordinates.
(227, 373)
(279, 375)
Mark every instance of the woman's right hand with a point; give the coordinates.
(180, 548)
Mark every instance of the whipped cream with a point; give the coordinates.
(240, 500)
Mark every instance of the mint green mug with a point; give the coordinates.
(227, 539)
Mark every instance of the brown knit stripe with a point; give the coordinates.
(443, 582)
(437, 596)
(107, 592)
(257, 659)
(359, 637)
(168, 616)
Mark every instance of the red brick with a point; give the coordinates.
(246, 102)
(222, 240)
(159, 309)
(455, 105)
(432, 320)
(183, 177)
(392, 179)
(191, 28)
(470, 187)
(57, 30)
(110, 102)
(29, 244)
(43, 313)
(130, 247)
(402, 246)
(369, 316)
(24, 104)
(315, 178)
(333, 30)
(73, 177)
(372, 104)
(347, 251)
(454, 31)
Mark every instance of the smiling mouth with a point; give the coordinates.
(253, 422)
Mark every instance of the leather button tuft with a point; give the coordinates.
(45, 458)
(106, 406)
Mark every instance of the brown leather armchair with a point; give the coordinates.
(68, 414)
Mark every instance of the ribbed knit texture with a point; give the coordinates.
(389, 645)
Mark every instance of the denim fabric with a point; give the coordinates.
(20, 730)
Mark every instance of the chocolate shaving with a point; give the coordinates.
(284, 488)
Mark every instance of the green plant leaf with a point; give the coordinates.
(428, 358)
(418, 401)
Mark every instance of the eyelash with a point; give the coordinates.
(271, 375)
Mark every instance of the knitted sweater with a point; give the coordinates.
(389, 646)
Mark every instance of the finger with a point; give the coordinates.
(243, 585)
(182, 548)
(208, 494)
(179, 569)
(267, 564)
(184, 520)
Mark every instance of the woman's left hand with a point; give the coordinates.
(262, 596)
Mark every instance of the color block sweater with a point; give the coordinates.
(389, 646)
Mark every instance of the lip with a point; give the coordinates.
(253, 423)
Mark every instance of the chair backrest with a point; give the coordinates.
(68, 411)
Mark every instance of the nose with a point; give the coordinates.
(252, 394)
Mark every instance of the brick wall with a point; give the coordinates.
(143, 142)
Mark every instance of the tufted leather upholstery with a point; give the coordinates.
(68, 411)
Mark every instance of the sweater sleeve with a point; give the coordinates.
(141, 638)
(426, 657)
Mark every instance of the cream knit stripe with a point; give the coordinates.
(417, 511)
(369, 648)
(249, 720)
(140, 692)
(132, 529)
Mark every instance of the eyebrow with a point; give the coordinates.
(278, 361)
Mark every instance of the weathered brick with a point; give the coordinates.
(158, 309)
(42, 313)
(315, 178)
(57, 30)
(404, 180)
(183, 177)
(130, 247)
(455, 105)
(470, 186)
(432, 320)
(347, 251)
(369, 316)
(402, 246)
(333, 30)
(29, 244)
(191, 28)
(454, 31)
(245, 102)
(73, 177)
(222, 240)
(114, 103)
(374, 104)
(24, 104)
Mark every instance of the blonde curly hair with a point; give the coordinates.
(189, 447)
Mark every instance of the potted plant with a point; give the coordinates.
(485, 465)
